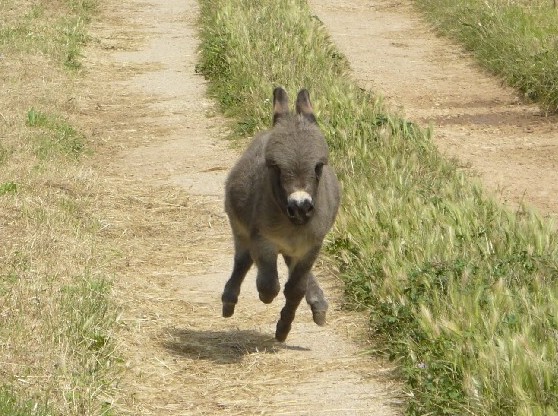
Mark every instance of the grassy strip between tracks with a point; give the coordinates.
(460, 290)
(55, 316)
(517, 40)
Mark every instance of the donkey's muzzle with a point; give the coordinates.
(300, 210)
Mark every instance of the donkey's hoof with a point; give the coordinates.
(228, 309)
(282, 331)
(319, 317)
(266, 298)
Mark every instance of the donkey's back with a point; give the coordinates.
(282, 198)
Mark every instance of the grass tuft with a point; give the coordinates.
(10, 406)
(56, 137)
(8, 188)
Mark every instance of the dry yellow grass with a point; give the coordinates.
(54, 311)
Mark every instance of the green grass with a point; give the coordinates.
(57, 136)
(7, 188)
(517, 40)
(461, 291)
(10, 406)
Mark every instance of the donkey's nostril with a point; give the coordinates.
(308, 208)
(305, 207)
(291, 211)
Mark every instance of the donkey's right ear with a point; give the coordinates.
(304, 106)
(280, 104)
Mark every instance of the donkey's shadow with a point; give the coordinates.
(221, 347)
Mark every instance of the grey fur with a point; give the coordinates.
(267, 221)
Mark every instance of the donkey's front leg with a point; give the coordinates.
(267, 280)
(295, 289)
(242, 263)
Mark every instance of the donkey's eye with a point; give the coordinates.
(318, 169)
(275, 169)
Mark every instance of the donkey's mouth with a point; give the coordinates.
(299, 221)
(297, 217)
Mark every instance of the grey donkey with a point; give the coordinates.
(282, 198)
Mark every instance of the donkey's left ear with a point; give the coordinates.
(304, 106)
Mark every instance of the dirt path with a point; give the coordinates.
(163, 161)
(512, 146)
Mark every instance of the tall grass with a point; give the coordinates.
(55, 310)
(518, 40)
(461, 291)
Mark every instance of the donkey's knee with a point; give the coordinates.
(268, 286)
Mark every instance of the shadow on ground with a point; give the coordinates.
(221, 347)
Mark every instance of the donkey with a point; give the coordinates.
(282, 197)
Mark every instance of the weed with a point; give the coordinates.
(37, 119)
(74, 37)
(4, 154)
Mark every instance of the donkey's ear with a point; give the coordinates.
(280, 104)
(304, 106)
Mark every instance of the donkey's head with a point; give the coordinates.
(295, 155)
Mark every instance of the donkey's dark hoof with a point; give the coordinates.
(266, 298)
(282, 331)
(319, 317)
(228, 309)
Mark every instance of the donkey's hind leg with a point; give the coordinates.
(295, 289)
(314, 297)
(316, 300)
(242, 263)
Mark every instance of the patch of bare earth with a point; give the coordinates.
(512, 146)
(163, 161)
